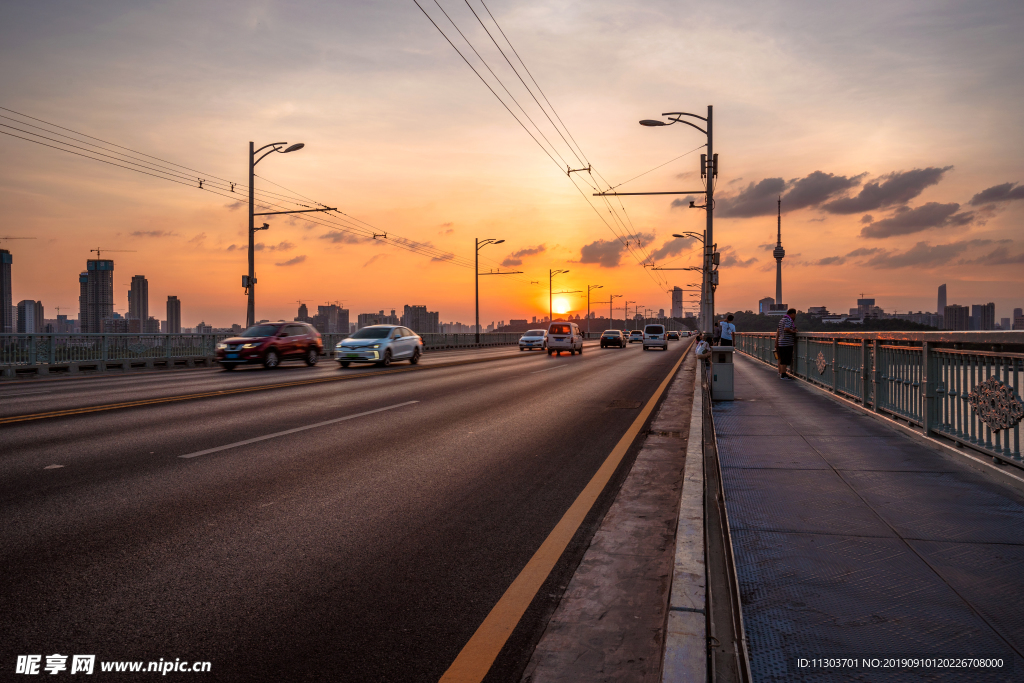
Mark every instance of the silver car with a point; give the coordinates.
(379, 344)
(534, 339)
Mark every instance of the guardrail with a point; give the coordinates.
(68, 352)
(965, 386)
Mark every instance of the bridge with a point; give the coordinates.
(496, 515)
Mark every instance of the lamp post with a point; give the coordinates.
(625, 314)
(551, 275)
(708, 171)
(476, 278)
(249, 281)
(589, 289)
(611, 310)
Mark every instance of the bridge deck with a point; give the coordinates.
(852, 539)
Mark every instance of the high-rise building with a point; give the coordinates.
(865, 307)
(956, 317)
(173, 315)
(420, 320)
(1018, 312)
(303, 316)
(6, 301)
(942, 299)
(765, 305)
(677, 302)
(1005, 323)
(96, 298)
(27, 322)
(138, 299)
(1018, 320)
(983, 316)
(330, 319)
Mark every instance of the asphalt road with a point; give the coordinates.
(365, 544)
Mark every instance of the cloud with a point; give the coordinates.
(443, 258)
(906, 221)
(293, 261)
(374, 259)
(447, 225)
(734, 181)
(234, 206)
(830, 261)
(153, 233)
(233, 247)
(867, 218)
(816, 188)
(1006, 192)
(889, 190)
(689, 174)
(767, 247)
(516, 257)
(923, 255)
(839, 260)
(283, 246)
(757, 199)
(683, 203)
(865, 251)
(674, 246)
(1000, 256)
(198, 239)
(338, 237)
(606, 253)
(731, 259)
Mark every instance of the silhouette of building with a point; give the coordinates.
(983, 316)
(942, 299)
(330, 319)
(677, 302)
(29, 319)
(956, 318)
(765, 305)
(173, 315)
(96, 294)
(6, 297)
(303, 314)
(778, 308)
(420, 320)
(138, 299)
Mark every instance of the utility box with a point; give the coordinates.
(722, 373)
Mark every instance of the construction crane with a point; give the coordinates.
(97, 250)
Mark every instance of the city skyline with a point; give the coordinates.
(891, 205)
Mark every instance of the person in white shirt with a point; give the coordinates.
(728, 330)
(703, 350)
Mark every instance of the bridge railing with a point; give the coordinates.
(965, 386)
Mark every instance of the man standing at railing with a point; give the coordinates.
(785, 343)
(728, 330)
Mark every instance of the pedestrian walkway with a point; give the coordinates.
(852, 539)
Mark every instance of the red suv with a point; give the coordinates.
(270, 343)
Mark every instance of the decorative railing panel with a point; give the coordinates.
(965, 386)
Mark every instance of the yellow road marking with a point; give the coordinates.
(240, 390)
(477, 656)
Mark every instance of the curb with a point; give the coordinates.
(686, 646)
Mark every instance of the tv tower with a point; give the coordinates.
(779, 254)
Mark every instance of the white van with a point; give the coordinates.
(654, 336)
(565, 337)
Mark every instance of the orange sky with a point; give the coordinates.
(401, 134)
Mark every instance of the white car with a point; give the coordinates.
(654, 337)
(534, 339)
(565, 337)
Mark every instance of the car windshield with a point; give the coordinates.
(260, 331)
(371, 333)
(559, 329)
(534, 333)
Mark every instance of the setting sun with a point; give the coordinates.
(561, 306)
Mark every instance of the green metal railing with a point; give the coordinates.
(965, 386)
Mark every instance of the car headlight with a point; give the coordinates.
(250, 345)
(338, 346)
(375, 346)
(221, 345)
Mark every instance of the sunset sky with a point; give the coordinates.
(891, 129)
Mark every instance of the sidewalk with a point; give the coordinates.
(852, 539)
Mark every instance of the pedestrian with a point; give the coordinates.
(703, 350)
(785, 343)
(728, 329)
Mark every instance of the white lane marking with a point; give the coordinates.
(292, 431)
(53, 467)
(559, 367)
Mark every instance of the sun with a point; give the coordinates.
(560, 306)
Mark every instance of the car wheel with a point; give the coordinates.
(344, 363)
(581, 350)
(312, 356)
(228, 366)
(386, 360)
(271, 360)
(549, 352)
(415, 357)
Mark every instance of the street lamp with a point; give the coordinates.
(551, 275)
(480, 244)
(249, 281)
(709, 171)
(589, 288)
